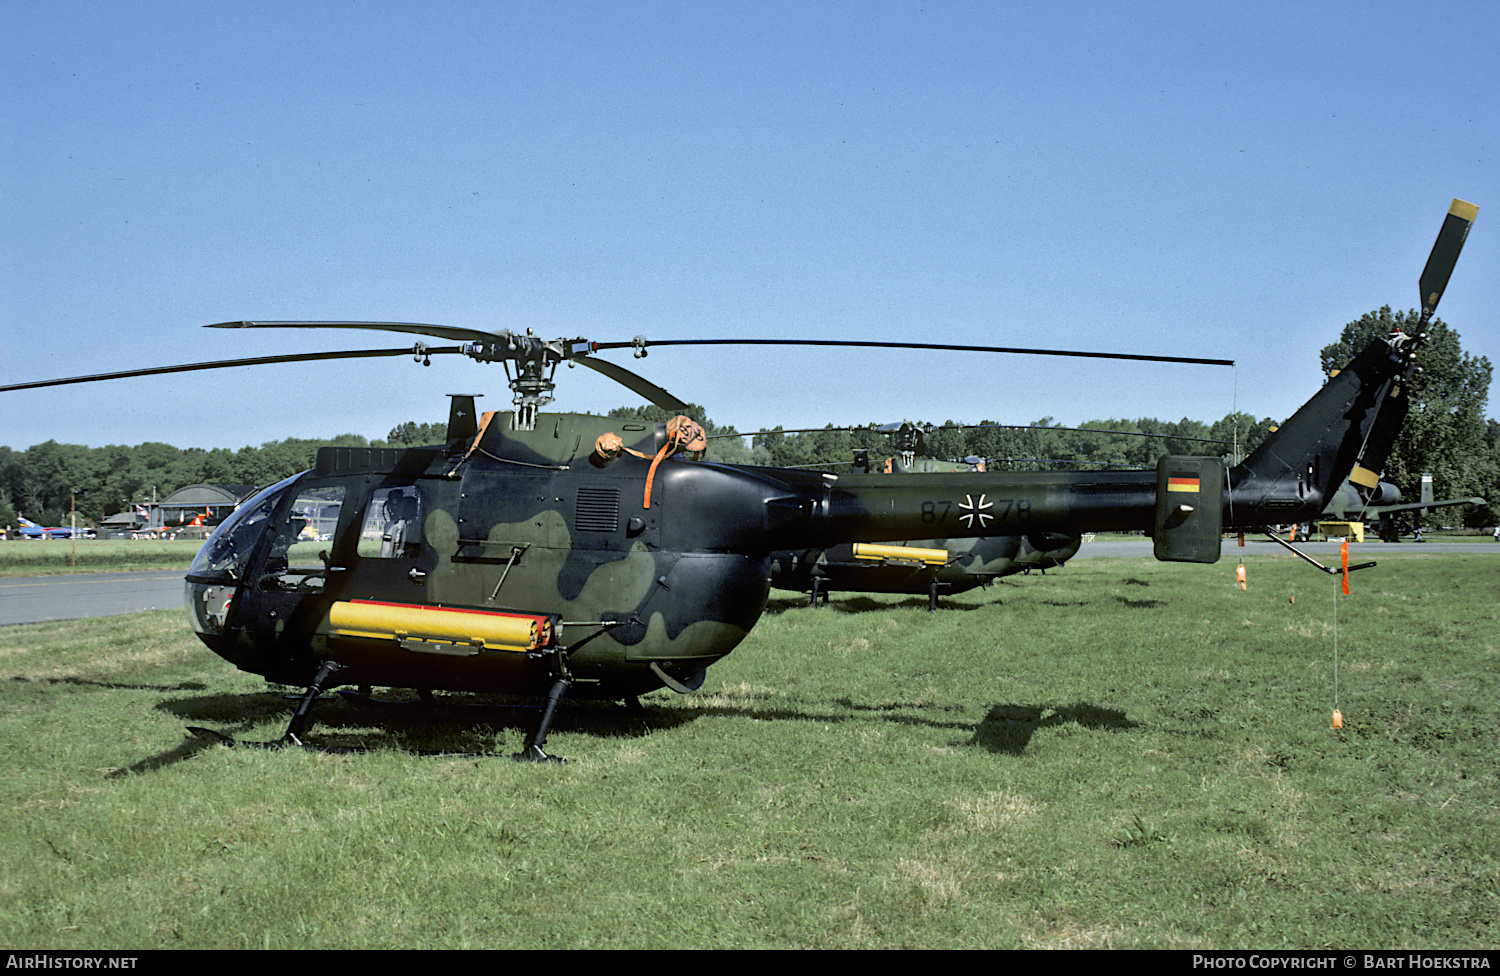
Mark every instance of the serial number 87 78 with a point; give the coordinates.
(1000, 510)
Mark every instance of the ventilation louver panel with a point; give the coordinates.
(598, 510)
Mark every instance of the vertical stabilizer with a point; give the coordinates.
(1347, 430)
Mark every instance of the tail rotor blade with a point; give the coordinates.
(1444, 254)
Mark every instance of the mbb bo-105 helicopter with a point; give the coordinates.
(541, 554)
(928, 566)
(932, 566)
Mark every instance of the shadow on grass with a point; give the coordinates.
(1005, 728)
(1009, 728)
(189, 748)
(453, 724)
(480, 727)
(112, 685)
(864, 604)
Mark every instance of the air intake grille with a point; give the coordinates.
(598, 510)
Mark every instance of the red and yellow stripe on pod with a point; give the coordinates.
(489, 629)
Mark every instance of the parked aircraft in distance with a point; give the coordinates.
(30, 530)
(1384, 503)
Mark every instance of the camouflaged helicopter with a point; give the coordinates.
(553, 554)
(934, 567)
(931, 566)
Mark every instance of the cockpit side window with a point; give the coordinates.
(393, 523)
(297, 558)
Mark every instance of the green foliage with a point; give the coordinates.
(1490, 514)
(1039, 446)
(1137, 833)
(45, 481)
(413, 434)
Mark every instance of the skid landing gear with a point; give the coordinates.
(300, 717)
(534, 751)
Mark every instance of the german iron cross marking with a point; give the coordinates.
(975, 510)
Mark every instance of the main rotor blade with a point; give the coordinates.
(477, 335)
(455, 332)
(863, 344)
(1450, 241)
(227, 363)
(636, 384)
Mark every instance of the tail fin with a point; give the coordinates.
(1348, 428)
(1345, 431)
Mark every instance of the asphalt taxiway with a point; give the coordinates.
(33, 599)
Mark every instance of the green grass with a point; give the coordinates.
(1120, 754)
(52, 557)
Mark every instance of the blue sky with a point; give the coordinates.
(1227, 181)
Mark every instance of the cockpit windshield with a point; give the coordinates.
(227, 552)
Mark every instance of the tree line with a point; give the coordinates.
(46, 481)
(1446, 434)
(1041, 445)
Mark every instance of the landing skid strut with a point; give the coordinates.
(300, 717)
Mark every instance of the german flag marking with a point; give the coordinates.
(1182, 484)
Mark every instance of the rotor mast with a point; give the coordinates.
(536, 362)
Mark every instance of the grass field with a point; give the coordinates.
(1121, 754)
(31, 557)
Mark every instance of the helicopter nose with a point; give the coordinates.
(207, 606)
